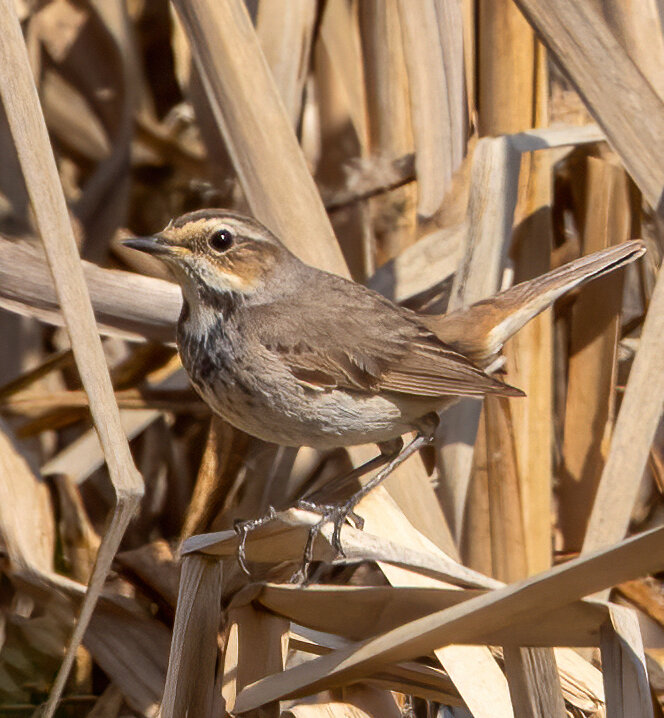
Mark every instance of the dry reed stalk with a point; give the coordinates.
(493, 197)
(624, 666)
(285, 30)
(533, 596)
(529, 356)
(513, 88)
(190, 681)
(533, 679)
(80, 541)
(593, 355)
(389, 123)
(507, 531)
(513, 82)
(456, 660)
(435, 80)
(257, 130)
(256, 646)
(633, 432)
(214, 475)
(38, 165)
(113, 294)
(593, 59)
(638, 27)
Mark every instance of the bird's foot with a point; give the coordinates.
(338, 515)
(243, 529)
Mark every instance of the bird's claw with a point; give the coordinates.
(338, 516)
(243, 529)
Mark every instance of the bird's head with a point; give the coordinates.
(216, 251)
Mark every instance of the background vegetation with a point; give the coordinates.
(451, 152)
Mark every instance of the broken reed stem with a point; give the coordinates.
(28, 129)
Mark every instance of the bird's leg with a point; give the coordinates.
(340, 512)
(243, 529)
(424, 437)
(389, 450)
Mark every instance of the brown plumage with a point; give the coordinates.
(296, 356)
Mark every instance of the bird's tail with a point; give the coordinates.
(479, 331)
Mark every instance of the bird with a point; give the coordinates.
(298, 356)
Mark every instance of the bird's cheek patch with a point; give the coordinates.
(225, 280)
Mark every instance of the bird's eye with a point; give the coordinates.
(221, 240)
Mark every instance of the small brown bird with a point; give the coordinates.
(297, 356)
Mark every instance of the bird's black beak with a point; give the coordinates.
(149, 245)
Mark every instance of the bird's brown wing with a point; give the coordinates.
(360, 341)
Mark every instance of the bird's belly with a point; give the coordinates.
(293, 416)
(265, 400)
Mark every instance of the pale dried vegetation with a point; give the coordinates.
(452, 147)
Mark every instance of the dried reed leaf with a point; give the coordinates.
(430, 261)
(26, 516)
(368, 610)
(450, 30)
(256, 647)
(478, 678)
(257, 130)
(284, 538)
(543, 138)
(130, 646)
(409, 678)
(59, 360)
(83, 456)
(108, 704)
(340, 39)
(460, 662)
(581, 682)
(582, 43)
(132, 650)
(416, 506)
(646, 595)
(633, 433)
(533, 596)
(624, 666)
(80, 541)
(71, 119)
(190, 679)
(349, 708)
